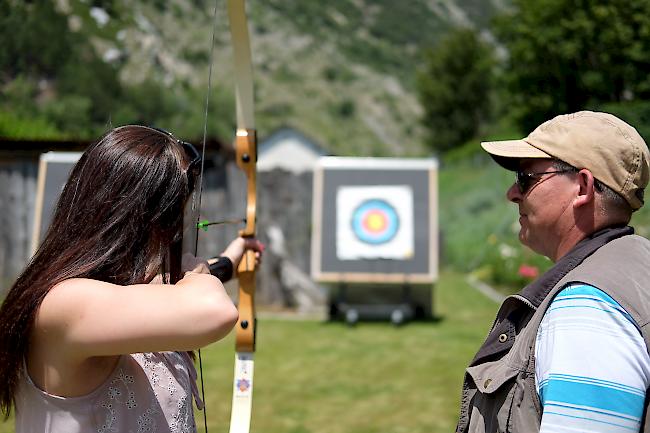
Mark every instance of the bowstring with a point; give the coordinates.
(196, 202)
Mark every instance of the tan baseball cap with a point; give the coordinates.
(611, 149)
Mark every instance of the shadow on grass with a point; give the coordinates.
(436, 319)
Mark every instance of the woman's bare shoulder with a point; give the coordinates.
(68, 296)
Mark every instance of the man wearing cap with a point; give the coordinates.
(569, 353)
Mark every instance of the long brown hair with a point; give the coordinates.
(119, 219)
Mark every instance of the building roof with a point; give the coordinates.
(288, 149)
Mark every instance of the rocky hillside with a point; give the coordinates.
(342, 71)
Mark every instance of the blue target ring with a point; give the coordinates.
(375, 222)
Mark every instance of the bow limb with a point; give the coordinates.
(246, 154)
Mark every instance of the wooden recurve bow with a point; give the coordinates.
(246, 154)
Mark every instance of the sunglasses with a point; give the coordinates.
(191, 152)
(525, 181)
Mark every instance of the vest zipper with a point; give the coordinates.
(524, 300)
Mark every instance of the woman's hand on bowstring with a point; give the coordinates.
(189, 263)
(197, 265)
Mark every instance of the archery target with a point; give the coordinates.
(374, 222)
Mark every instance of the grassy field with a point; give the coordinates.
(315, 377)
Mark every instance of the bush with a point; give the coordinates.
(34, 127)
(456, 89)
(563, 58)
(636, 113)
(510, 266)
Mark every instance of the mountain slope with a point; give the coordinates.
(342, 71)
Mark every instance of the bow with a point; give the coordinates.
(246, 154)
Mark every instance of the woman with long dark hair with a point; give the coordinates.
(96, 334)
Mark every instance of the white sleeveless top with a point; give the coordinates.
(146, 392)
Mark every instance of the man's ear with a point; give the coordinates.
(586, 192)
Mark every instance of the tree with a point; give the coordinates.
(455, 89)
(566, 55)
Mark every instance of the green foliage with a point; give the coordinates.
(504, 263)
(636, 113)
(641, 221)
(108, 5)
(181, 111)
(338, 73)
(385, 35)
(76, 91)
(196, 55)
(345, 109)
(53, 84)
(160, 5)
(95, 81)
(13, 125)
(280, 110)
(35, 39)
(285, 74)
(145, 103)
(79, 93)
(563, 57)
(395, 23)
(71, 113)
(455, 89)
(19, 95)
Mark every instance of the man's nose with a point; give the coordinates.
(513, 194)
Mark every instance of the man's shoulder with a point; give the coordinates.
(586, 296)
(578, 290)
(629, 240)
(617, 268)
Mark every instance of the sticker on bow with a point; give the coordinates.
(243, 385)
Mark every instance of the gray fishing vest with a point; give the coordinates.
(500, 395)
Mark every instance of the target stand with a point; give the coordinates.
(374, 237)
(398, 311)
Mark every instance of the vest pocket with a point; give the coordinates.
(497, 389)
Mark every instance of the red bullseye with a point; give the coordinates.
(375, 221)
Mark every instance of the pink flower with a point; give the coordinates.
(528, 271)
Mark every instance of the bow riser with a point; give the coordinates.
(246, 148)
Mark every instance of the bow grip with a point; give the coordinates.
(245, 340)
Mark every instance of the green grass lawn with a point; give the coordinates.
(318, 377)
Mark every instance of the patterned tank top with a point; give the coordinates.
(146, 392)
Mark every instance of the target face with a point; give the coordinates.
(375, 222)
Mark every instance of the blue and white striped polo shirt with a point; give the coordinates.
(592, 365)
